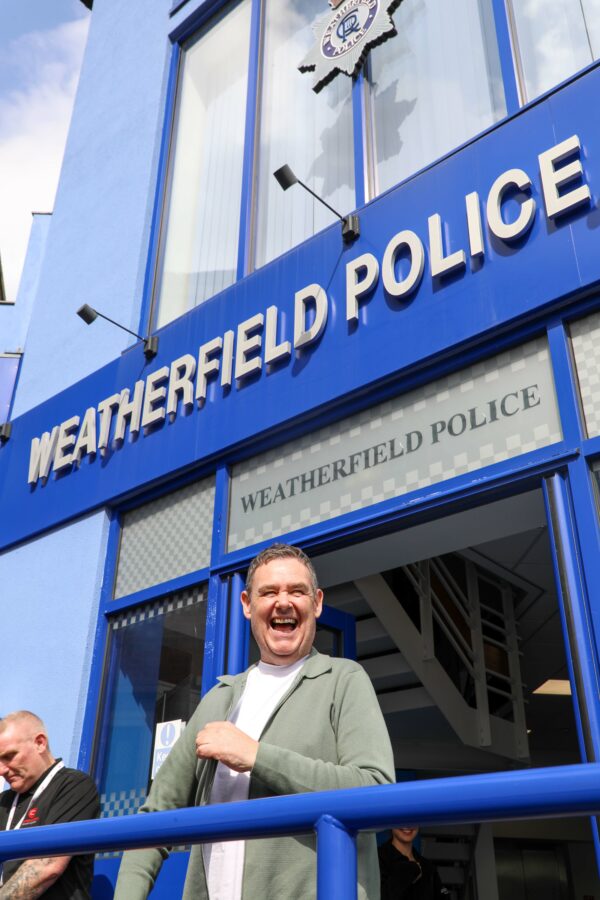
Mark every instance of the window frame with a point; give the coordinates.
(363, 150)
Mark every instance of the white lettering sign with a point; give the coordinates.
(267, 337)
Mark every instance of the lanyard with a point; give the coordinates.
(39, 790)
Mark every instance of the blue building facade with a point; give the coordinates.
(417, 406)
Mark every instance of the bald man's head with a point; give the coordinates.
(24, 750)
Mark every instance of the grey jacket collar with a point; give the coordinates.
(316, 664)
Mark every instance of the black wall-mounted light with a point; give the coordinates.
(89, 315)
(350, 224)
(5, 430)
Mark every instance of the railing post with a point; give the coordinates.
(514, 670)
(426, 609)
(336, 860)
(484, 731)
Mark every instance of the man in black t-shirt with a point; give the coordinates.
(404, 872)
(42, 792)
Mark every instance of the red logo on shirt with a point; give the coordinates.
(32, 816)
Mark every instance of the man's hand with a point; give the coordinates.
(227, 744)
(33, 878)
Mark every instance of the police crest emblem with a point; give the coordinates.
(345, 37)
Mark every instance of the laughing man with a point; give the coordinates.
(298, 721)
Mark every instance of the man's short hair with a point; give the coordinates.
(281, 551)
(26, 718)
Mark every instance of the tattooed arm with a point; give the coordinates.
(33, 878)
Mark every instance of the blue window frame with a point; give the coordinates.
(154, 675)
(451, 72)
(348, 143)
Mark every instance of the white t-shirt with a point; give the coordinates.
(265, 687)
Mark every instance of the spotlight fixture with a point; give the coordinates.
(89, 315)
(350, 223)
(5, 430)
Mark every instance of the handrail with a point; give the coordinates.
(526, 793)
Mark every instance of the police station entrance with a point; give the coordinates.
(458, 622)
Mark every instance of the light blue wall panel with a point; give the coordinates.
(98, 245)
(50, 591)
(14, 320)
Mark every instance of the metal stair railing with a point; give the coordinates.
(335, 816)
(478, 620)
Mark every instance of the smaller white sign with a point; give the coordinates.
(165, 735)
(491, 411)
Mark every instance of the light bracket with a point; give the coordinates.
(285, 177)
(89, 315)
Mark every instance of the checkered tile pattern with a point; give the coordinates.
(451, 456)
(169, 604)
(585, 338)
(121, 803)
(166, 538)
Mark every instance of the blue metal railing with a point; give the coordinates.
(336, 816)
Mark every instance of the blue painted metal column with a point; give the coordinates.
(507, 61)
(218, 588)
(576, 620)
(570, 577)
(216, 632)
(245, 261)
(92, 712)
(336, 861)
(239, 629)
(579, 642)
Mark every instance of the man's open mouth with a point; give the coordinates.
(284, 624)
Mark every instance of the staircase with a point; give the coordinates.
(452, 644)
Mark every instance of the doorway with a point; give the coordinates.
(459, 627)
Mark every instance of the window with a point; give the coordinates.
(433, 86)
(428, 89)
(554, 38)
(166, 538)
(154, 675)
(200, 240)
(311, 132)
(155, 658)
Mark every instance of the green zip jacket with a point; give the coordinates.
(327, 732)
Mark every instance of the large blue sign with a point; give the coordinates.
(489, 236)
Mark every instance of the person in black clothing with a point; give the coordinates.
(42, 792)
(404, 872)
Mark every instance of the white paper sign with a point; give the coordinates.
(165, 735)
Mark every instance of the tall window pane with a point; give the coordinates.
(200, 233)
(154, 676)
(434, 85)
(555, 39)
(311, 132)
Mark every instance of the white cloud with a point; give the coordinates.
(34, 120)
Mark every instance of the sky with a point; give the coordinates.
(41, 48)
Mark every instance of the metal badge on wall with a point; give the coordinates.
(345, 37)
